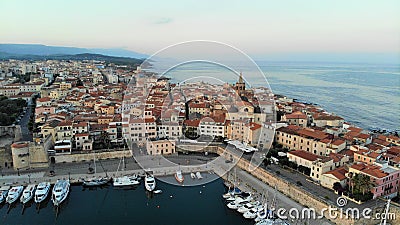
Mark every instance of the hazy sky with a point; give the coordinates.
(256, 27)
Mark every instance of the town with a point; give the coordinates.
(73, 108)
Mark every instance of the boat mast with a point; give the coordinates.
(94, 162)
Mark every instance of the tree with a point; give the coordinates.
(338, 188)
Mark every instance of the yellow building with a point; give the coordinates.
(161, 147)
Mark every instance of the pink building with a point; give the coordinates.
(386, 179)
(44, 109)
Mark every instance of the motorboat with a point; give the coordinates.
(28, 193)
(157, 191)
(42, 191)
(3, 193)
(14, 193)
(125, 181)
(253, 213)
(192, 175)
(198, 175)
(95, 182)
(149, 182)
(60, 192)
(179, 177)
(234, 205)
(245, 207)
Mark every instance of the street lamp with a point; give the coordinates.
(18, 171)
(29, 178)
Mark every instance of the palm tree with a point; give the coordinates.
(365, 183)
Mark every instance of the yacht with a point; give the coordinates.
(246, 207)
(234, 205)
(150, 182)
(3, 193)
(60, 192)
(95, 182)
(42, 191)
(28, 193)
(198, 175)
(179, 177)
(253, 213)
(14, 194)
(125, 181)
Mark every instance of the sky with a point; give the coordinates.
(260, 27)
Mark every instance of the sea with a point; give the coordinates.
(366, 95)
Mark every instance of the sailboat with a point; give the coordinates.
(98, 181)
(124, 180)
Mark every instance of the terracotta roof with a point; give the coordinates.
(191, 123)
(296, 115)
(371, 170)
(305, 155)
(339, 173)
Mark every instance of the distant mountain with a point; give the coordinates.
(132, 62)
(44, 50)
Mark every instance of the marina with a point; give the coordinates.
(128, 203)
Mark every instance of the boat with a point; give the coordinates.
(246, 207)
(3, 193)
(28, 193)
(14, 193)
(252, 213)
(198, 175)
(42, 191)
(125, 181)
(149, 182)
(192, 175)
(179, 177)
(95, 182)
(234, 205)
(60, 192)
(157, 191)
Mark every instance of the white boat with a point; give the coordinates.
(3, 193)
(198, 175)
(265, 222)
(157, 191)
(97, 181)
(28, 193)
(192, 175)
(246, 207)
(125, 181)
(13, 194)
(149, 182)
(179, 177)
(60, 192)
(234, 205)
(42, 191)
